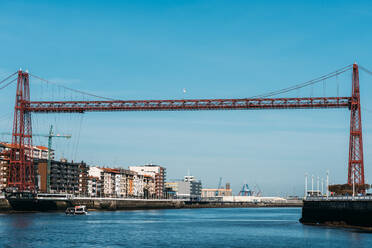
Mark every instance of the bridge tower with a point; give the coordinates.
(21, 172)
(356, 164)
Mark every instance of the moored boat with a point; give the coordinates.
(77, 210)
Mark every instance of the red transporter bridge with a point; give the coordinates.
(21, 171)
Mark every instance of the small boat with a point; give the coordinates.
(77, 210)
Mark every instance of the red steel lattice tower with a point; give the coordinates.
(356, 164)
(21, 172)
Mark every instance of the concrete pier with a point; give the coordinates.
(340, 211)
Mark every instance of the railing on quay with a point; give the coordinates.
(339, 198)
(61, 197)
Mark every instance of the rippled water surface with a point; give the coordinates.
(244, 227)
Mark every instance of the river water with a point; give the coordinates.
(228, 227)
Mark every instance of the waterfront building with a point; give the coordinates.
(171, 189)
(39, 153)
(148, 186)
(119, 182)
(138, 185)
(109, 181)
(4, 164)
(63, 176)
(95, 182)
(156, 171)
(83, 179)
(95, 171)
(188, 188)
(172, 185)
(94, 186)
(126, 183)
(118, 186)
(205, 193)
(132, 183)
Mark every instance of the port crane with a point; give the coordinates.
(245, 191)
(21, 175)
(219, 186)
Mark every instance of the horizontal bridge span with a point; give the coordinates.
(188, 104)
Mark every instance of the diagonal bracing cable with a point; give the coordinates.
(5, 79)
(307, 83)
(273, 93)
(365, 69)
(6, 85)
(71, 89)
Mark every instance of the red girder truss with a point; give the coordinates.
(192, 104)
(21, 175)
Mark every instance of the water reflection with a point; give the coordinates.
(174, 228)
(21, 222)
(18, 230)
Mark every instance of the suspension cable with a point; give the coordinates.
(6, 85)
(365, 69)
(71, 89)
(269, 94)
(5, 79)
(307, 83)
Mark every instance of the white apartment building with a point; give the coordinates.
(138, 185)
(94, 186)
(119, 182)
(41, 152)
(156, 171)
(109, 181)
(95, 171)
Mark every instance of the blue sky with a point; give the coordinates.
(214, 49)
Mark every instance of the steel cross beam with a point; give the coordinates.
(187, 104)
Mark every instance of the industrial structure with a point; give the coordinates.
(218, 192)
(245, 191)
(21, 173)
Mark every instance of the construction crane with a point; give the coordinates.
(219, 186)
(50, 136)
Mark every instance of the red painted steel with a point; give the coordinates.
(21, 172)
(192, 104)
(356, 163)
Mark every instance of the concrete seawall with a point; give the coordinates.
(348, 212)
(4, 205)
(112, 204)
(125, 204)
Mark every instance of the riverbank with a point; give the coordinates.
(113, 204)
